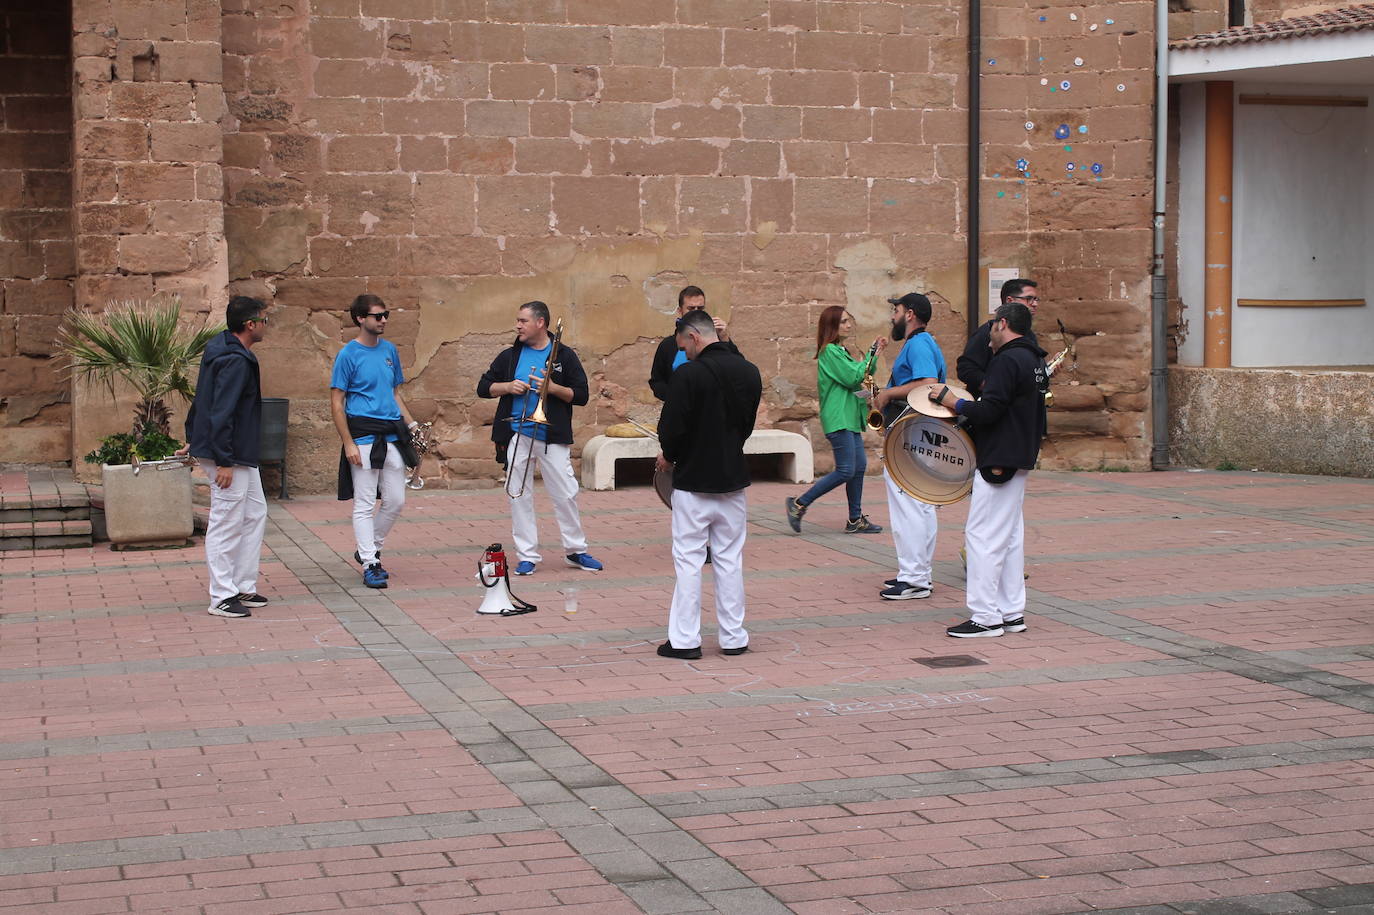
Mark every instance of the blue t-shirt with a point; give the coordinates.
(920, 358)
(531, 360)
(369, 377)
(680, 359)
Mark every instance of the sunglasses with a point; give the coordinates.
(260, 319)
(379, 315)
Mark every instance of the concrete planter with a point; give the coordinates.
(152, 508)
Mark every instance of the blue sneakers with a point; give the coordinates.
(525, 568)
(583, 561)
(374, 577)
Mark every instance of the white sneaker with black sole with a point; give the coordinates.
(230, 608)
(904, 591)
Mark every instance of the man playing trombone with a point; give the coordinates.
(539, 381)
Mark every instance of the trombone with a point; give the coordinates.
(538, 417)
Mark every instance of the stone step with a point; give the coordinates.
(45, 508)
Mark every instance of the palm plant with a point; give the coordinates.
(144, 345)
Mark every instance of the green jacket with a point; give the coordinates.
(838, 376)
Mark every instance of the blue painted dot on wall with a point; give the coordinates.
(1068, 149)
(1061, 132)
(996, 174)
(992, 61)
(1111, 22)
(889, 203)
(1066, 85)
(1070, 167)
(1018, 196)
(1042, 19)
(1097, 168)
(1001, 193)
(1082, 128)
(1022, 164)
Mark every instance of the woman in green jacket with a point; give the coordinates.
(839, 378)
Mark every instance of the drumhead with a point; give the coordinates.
(663, 485)
(930, 459)
(919, 399)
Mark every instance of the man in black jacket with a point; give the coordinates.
(1008, 423)
(972, 366)
(223, 431)
(712, 403)
(669, 356)
(515, 376)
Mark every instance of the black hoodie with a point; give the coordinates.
(224, 423)
(1009, 419)
(567, 371)
(712, 403)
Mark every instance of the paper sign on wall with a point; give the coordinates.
(996, 277)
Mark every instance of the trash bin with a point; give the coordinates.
(275, 411)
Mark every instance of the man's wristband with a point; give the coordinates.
(959, 405)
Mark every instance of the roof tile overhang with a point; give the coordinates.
(1330, 22)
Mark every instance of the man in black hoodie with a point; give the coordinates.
(1008, 423)
(515, 376)
(712, 402)
(223, 431)
(972, 366)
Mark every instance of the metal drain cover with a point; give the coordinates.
(950, 660)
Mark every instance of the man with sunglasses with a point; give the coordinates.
(223, 432)
(365, 400)
(972, 366)
(669, 356)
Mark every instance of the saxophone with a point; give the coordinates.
(875, 416)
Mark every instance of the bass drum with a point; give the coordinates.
(663, 485)
(929, 459)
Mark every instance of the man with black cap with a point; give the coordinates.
(919, 362)
(1009, 420)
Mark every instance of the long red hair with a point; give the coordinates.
(828, 327)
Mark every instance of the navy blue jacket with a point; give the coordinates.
(225, 420)
(1009, 419)
(712, 404)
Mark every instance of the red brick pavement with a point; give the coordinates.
(1184, 721)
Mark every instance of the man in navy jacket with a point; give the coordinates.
(1008, 423)
(223, 429)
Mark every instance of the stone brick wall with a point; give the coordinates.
(459, 157)
(148, 180)
(36, 260)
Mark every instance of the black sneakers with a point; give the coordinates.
(735, 651)
(666, 650)
(861, 525)
(253, 600)
(1016, 625)
(971, 630)
(231, 608)
(795, 510)
(901, 590)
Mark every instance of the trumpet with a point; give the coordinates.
(875, 416)
(537, 416)
(422, 440)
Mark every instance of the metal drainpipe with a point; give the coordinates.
(1159, 286)
(975, 170)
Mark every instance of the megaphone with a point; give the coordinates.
(494, 574)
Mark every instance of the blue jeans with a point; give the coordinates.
(850, 464)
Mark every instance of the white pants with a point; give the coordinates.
(368, 530)
(913, 534)
(699, 519)
(995, 539)
(555, 466)
(233, 537)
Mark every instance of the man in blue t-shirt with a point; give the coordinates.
(365, 399)
(919, 362)
(515, 376)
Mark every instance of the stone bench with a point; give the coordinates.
(600, 454)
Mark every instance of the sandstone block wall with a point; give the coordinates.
(36, 257)
(148, 180)
(459, 157)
